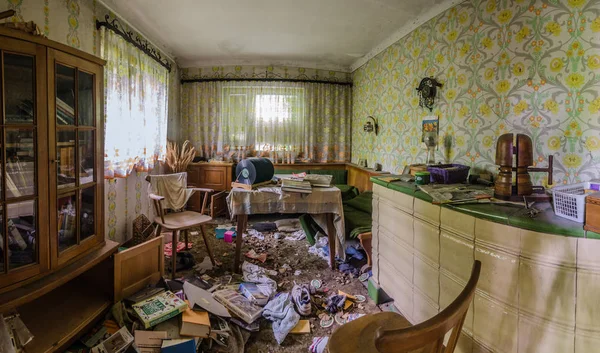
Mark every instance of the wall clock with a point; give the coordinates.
(427, 90)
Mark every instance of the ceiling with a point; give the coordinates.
(325, 34)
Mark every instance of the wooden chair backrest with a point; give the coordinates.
(160, 211)
(428, 336)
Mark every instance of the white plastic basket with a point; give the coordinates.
(569, 200)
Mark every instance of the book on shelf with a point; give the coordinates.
(238, 305)
(320, 180)
(159, 308)
(299, 186)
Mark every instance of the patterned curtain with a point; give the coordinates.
(310, 120)
(136, 94)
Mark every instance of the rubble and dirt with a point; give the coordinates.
(293, 264)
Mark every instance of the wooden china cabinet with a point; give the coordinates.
(51, 158)
(51, 188)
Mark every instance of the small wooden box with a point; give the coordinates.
(592, 213)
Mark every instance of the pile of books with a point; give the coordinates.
(299, 186)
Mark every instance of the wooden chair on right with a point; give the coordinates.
(389, 332)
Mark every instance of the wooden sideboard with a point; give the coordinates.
(216, 176)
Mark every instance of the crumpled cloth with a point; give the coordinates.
(280, 310)
(173, 187)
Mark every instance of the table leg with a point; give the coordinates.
(174, 242)
(332, 236)
(242, 220)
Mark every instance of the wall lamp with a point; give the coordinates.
(371, 126)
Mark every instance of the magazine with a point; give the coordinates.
(455, 193)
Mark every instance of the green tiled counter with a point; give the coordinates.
(546, 221)
(540, 277)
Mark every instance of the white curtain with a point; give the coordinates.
(308, 121)
(260, 117)
(136, 95)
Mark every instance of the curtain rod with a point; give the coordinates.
(191, 80)
(135, 39)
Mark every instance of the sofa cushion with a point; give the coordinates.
(340, 176)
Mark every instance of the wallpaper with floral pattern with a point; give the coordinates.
(523, 66)
(73, 22)
(258, 72)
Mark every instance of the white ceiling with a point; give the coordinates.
(325, 34)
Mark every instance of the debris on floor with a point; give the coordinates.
(285, 299)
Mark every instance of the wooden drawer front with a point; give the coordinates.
(214, 178)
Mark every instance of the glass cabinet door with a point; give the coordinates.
(22, 126)
(75, 168)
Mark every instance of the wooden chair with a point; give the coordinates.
(182, 222)
(389, 332)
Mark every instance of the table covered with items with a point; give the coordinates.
(324, 204)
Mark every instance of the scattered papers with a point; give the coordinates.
(205, 265)
(256, 234)
(451, 193)
(253, 255)
(257, 274)
(117, 343)
(204, 299)
(297, 235)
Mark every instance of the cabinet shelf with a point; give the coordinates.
(57, 318)
(26, 293)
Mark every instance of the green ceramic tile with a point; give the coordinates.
(487, 211)
(592, 235)
(546, 222)
(406, 188)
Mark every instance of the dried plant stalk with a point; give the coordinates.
(178, 160)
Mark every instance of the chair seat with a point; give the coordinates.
(349, 337)
(182, 220)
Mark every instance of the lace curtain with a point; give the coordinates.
(136, 94)
(312, 121)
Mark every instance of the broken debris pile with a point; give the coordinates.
(211, 310)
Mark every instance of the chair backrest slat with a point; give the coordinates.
(429, 333)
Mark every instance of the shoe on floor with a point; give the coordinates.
(301, 297)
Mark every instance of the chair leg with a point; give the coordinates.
(174, 243)
(185, 233)
(210, 253)
(158, 230)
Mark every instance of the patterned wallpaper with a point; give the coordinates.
(73, 22)
(258, 72)
(527, 66)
